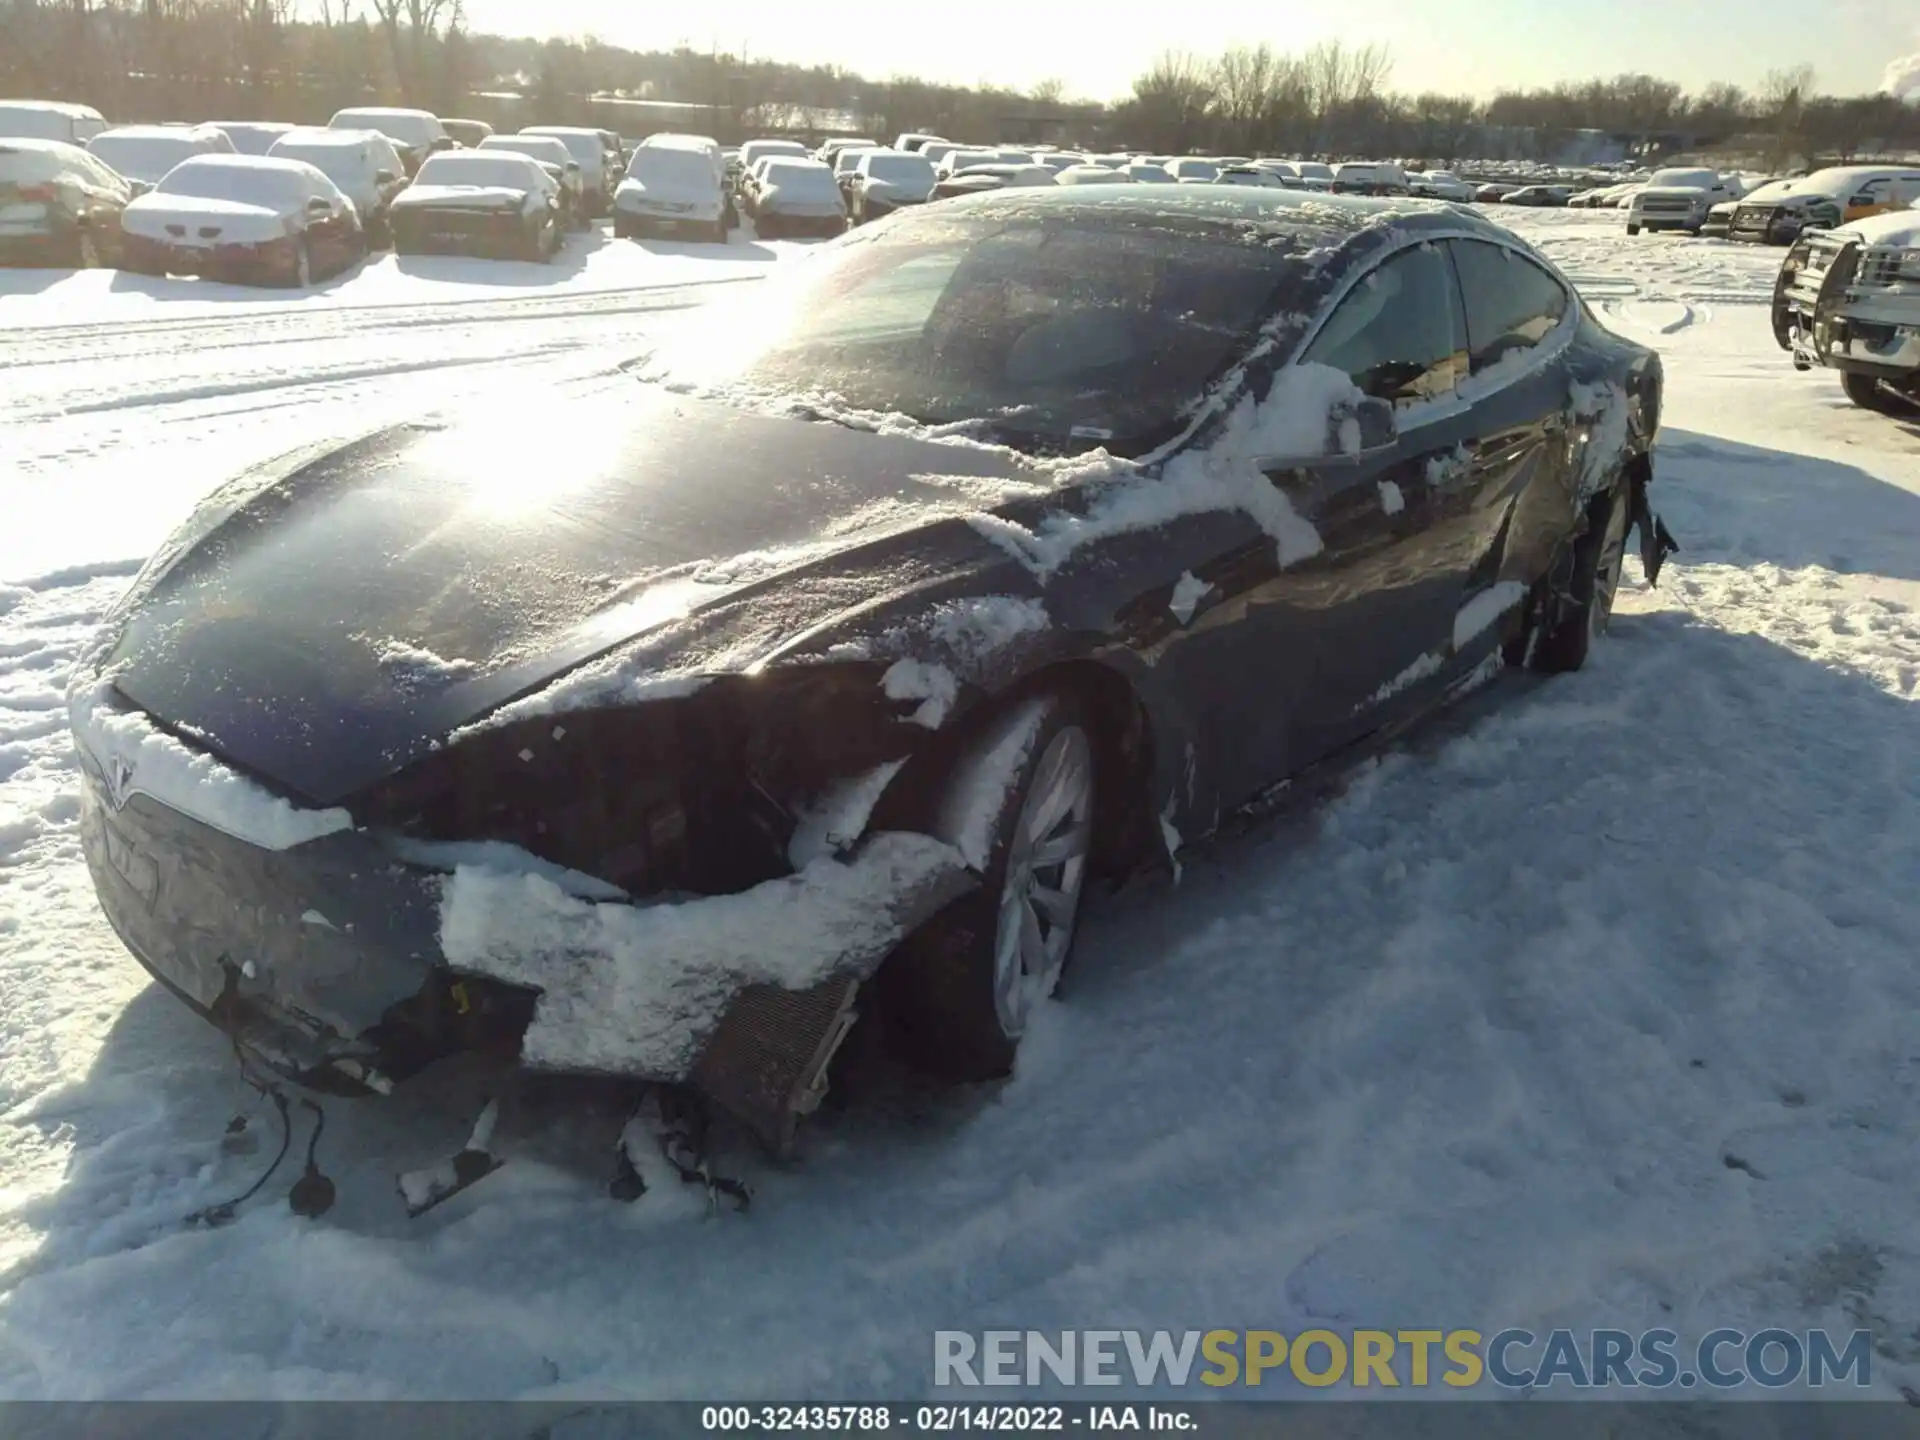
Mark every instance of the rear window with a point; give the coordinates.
(759, 150)
(899, 169)
(534, 147)
(479, 167)
(146, 157)
(801, 178)
(246, 184)
(587, 149)
(1194, 169)
(39, 165)
(1512, 304)
(34, 122)
(682, 169)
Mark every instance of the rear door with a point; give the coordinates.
(1499, 502)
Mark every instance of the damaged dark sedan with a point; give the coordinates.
(997, 546)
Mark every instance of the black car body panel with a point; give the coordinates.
(797, 559)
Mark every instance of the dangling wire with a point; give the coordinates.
(223, 1212)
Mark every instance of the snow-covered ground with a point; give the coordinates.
(1595, 1005)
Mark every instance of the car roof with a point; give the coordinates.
(54, 107)
(275, 163)
(322, 135)
(1300, 212)
(157, 132)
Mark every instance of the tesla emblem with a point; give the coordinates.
(119, 782)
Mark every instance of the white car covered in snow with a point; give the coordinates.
(1193, 170)
(1439, 185)
(601, 164)
(1678, 199)
(248, 219)
(1776, 214)
(416, 134)
(253, 137)
(142, 154)
(363, 163)
(1849, 299)
(668, 191)
(50, 120)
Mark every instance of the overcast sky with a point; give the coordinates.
(1476, 46)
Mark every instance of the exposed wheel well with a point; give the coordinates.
(1124, 758)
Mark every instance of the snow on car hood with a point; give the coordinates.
(666, 197)
(461, 197)
(335, 621)
(1892, 228)
(238, 223)
(1672, 192)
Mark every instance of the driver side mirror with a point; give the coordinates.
(1363, 428)
(385, 177)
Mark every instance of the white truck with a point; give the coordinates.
(1679, 200)
(1848, 299)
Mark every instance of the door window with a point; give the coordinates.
(1512, 303)
(1399, 332)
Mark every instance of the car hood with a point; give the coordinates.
(461, 197)
(343, 613)
(150, 215)
(1889, 228)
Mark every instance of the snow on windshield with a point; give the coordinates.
(803, 179)
(145, 157)
(475, 167)
(669, 165)
(898, 169)
(212, 179)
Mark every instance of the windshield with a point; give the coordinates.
(1059, 332)
(145, 157)
(336, 162)
(584, 147)
(535, 147)
(681, 169)
(1194, 169)
(899, 169)
(254, 184)
(478, 167)
(804, 179)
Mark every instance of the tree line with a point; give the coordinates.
(302, 59)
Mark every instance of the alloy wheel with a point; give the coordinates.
(1045, 873)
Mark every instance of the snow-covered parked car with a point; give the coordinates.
(552, 153)
(252, 137)
(797, 197)
(1775, 214)
(978, 179)
(1849, 299)
(1678, 199)
(1439, 185)
(1370, 177)
(363, 163)
(58, 205)
(143, 153)
(601, 164)
(416, 134)
(1256, 177)
(1315, 175)
(50, 120)
(671, 190)
(486, 203)
(246, 219)
(1192, 170)
(887, 180)
(1092, 175)
(376, 767)
(468, 134)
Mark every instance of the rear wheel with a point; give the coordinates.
(1582, 618)
(1879, 395)
(961, 992)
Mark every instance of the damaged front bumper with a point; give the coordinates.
(329, 960)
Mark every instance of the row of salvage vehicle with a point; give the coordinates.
(261, 203)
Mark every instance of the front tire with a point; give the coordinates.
(1871, 394)
(961, 992)
(1582, 619)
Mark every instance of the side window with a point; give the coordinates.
(1512, 304)
(1875, 191)
(1399, 332)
